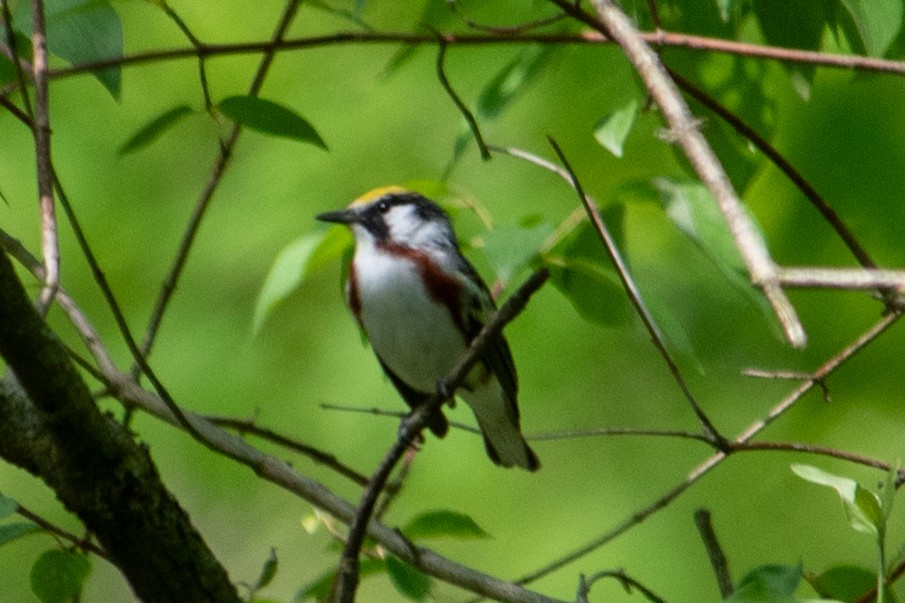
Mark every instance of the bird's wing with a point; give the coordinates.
(479, 309)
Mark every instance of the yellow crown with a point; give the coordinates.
(378, 193)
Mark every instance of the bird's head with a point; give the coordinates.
(394, 215)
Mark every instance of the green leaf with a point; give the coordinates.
(583, 242)
(690, 206)
(509, 248)
(14, 531)
(594, 292)
(81, 31)
(846, 583)
(268, 571)
(876, 23)
(57, 576)
(443, 524)
(513, 80)
(862, 507)
(8, 506)
(293, 264)
(408, 581)
(319, 589)
(613, 129)
(773, 583)
(152, 130)
(271, 118)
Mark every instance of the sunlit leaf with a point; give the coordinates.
(271, 118)
(768, 583)
(293, 264)
(862, 507)
(613, 129)
(443, 524)
(154, 129)
(57, 576)
(410, 583)
(509, 248)
(593, 291)
(877, 23)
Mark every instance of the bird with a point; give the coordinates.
(420, 303)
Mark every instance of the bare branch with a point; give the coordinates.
(717, 458)
(346, 580)
(634, 294)
(226, 147)
(656, 38)
(460, 104)
(50, 245)
(613, 23)
(704, 523)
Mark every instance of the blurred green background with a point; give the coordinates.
(847, 138)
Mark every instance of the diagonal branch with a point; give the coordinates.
(812, 381)
(123, 387)
(346, 580)
(612, 22)
(635, 296)
(41, 128)
(194, 224)
(50, 425)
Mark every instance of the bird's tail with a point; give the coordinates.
(500, 427)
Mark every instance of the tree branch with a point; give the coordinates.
(655, 38)
(346, 581)
(41, 129)
(51, 427)
(611, 21)
(779, 409)
(226, 147)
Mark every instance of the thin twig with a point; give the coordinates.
(634, 295)
(119, 317)
(597, 432)
(611, 21)
(503, 30)
(717, 458)
(780, 162)
(346, 580)
(20, 66)
(202, 71)
(460, 104)
(124, 387)
(704, 523)
(658, 38)
(50, 246)
(83, 543)
(198, 213)
(380, 412)
(248, 426)
(628, 583)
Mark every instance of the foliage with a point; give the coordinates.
(144, 98)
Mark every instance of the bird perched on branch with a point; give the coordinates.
(420, 303)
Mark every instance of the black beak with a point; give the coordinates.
(342, 216)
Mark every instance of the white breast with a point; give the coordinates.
(411, 332)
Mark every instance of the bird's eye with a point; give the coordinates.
(383, 207)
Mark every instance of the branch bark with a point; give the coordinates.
(50, 426)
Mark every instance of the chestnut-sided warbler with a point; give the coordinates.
(420, 303)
